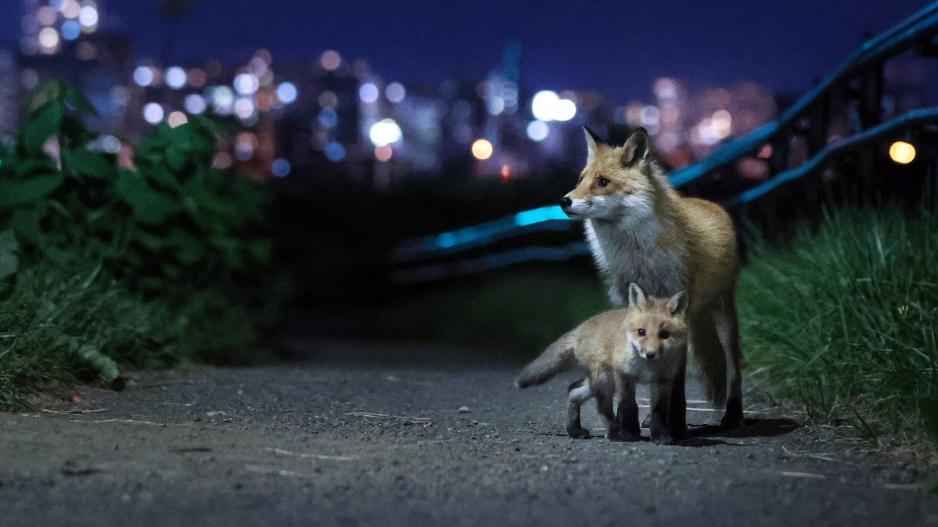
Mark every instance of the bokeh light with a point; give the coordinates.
(368, 92)
(244, 108)
(902, 152)
(334, 151)
(385, 132)
(194, 103)
(395, 92)
(328, 118)
(330, 60)
(546, 105)
(70, 30)
(143, 76)
(152, 113)
(287, 92)
(175, 77)
(88, 16)
(280, 167)
(246, 83)
(384, 153)
(537, 130)
(48, 39)
(177, 119)
(482, 149)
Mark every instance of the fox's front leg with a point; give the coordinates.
(660, 410)
(577, 393)
(627, 413)
(677, 420)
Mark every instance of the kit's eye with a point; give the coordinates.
(664, 334)
(641, 332)
(579, 180)
(602, 181)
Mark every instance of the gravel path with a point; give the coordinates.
(425, 442)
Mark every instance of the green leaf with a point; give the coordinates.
(9, 260)
(87, 163)
(26, 223)
(150, 205)
(43, 123)
(14, 193)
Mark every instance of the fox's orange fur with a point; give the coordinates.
(642, 230)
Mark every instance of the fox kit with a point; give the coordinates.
(646, 342)
(641, 230)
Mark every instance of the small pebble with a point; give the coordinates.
(463, 410)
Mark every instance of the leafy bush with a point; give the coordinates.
(844, 321)
(105, 264)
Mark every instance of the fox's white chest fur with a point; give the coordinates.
(627, 251)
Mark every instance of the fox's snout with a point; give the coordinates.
(651, 355)
(566, 202)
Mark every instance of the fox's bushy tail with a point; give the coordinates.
(558, 357)
(709, 356)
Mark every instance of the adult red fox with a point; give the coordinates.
(641, 230)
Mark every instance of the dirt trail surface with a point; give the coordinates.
(329, 442)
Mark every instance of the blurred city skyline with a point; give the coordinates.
(341, 87)
(616, 48)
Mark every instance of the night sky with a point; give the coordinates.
(617, 48)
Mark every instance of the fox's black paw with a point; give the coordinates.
(578, 433)
(732, 421)
(664, 439)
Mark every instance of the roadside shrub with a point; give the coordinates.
(141, 265)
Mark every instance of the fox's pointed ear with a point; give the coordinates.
(592, 143)
(636, 296)
(637, 149)
(677, 305)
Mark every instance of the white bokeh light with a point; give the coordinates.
(385, 132)
(546, 105)
(153, 113)
(246, 83)
(175, 77)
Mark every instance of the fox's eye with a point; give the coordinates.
(663, 334)
(602, 181)
(641, 332)
(579, 180)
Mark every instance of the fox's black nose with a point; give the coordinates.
(650, 354)
(565, 202)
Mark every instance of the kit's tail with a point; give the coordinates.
(558, 357)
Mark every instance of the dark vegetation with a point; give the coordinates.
(104, 266)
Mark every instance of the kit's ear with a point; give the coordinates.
(637, 150)
(592, 143)
(677, 305)
(636, 296)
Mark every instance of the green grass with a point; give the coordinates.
(843, 321)
(73, 323)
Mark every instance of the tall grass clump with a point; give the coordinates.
(843, 320)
